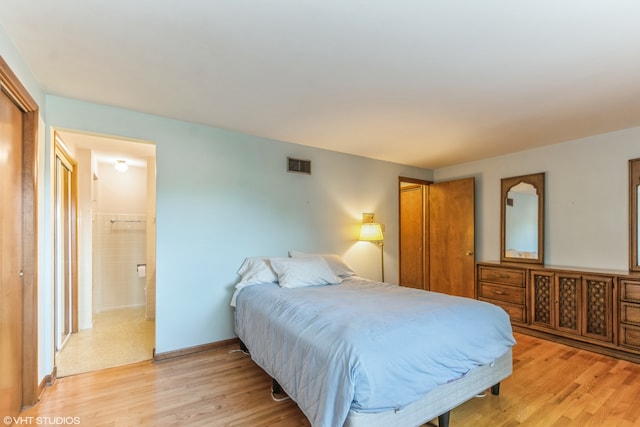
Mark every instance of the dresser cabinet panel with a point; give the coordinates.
(504, 287)
(509, 294)
(597, 305)
(542, 299)
(569, 287)
(630, 337)
(507, 276)
(630, 291)
(630, 314)
(517, 313)
(572, 303)
(510, 298)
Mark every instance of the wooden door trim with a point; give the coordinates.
(11, 85)
(402, 179)
(426, 253)
(62, 152)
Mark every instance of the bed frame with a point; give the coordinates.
(437, 403)
(440, 401)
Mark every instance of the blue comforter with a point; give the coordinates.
(365, 345)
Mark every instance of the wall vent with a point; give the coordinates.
(298, 165)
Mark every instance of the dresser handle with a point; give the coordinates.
(499, 276)
(500, 292)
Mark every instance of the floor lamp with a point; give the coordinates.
(372, 232)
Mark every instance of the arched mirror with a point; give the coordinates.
(634, 190)
(522, 219)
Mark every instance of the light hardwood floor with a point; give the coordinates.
(552, 385)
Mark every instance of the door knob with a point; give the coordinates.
(469, 253)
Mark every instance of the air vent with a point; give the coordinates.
(298, 165)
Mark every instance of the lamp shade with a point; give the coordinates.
(371, 232)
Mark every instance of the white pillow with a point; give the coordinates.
(336, 264)
(301, 272)
(255, 270)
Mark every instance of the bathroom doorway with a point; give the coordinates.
(116, 253)
(65, 259)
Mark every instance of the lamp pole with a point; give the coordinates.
(382, 257)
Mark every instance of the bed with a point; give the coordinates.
(354, 352)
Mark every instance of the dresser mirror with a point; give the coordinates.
(522, 219)
(634, 190)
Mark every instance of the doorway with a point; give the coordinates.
(115, 296)
(437, 237)
(414, 236)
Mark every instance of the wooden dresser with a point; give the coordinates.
(592, 309)
(629, 326)
(505, 287)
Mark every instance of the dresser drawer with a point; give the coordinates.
(630, 336)
(630, 313)
(509, 294)
(501, 275)
(515, 312)
(630, 291)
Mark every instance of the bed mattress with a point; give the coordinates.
(364, 346)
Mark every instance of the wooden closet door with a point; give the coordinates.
(11, 250)
(18, 244)
(452, 237)
(412, 236)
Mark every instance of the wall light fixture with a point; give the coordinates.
(371, 231)
(121, 165)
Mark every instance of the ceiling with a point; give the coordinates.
(428, 83)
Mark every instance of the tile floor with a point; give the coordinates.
(118, 337)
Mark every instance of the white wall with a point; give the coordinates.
(223, 196)
(119, 247)
(586, 198)
(121, 192)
